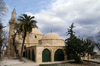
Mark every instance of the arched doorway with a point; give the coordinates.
(29, 55)
(23, 54)
(26, 53)
(33, 55)
(59, 55)
(46, 56)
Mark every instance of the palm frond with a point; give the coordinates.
(26, 23)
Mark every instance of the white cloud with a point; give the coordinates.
(62, 13)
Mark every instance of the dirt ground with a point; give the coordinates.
(15, 62)
(73, 64)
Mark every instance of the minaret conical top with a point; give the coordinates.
(13, 16)
(14, 11)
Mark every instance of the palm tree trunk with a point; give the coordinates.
(15, 49)
(22, 46)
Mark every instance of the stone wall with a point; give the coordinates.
(54, 42)
(39, 49)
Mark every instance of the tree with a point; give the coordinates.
(73, 44)
(25, 25)
(14, 45)
(90, 38)
(88, 46)
(17, 31)
(3, 9)
(98, 36)
(98, 40)
(92, 43)
(3, 39)
(76, 46)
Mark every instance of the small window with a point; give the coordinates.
(13, 20)
(35, 36)
(24, 47)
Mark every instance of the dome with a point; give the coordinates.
(51, 36)
(36, 31)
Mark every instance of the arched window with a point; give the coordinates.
(24, 47)
(59, 55)
(13, 20)
(46, 55)
(35, 36)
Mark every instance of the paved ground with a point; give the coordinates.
(96, 60)
(15, 62)
(6, 61)
(27, 63)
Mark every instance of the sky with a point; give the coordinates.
(58, 15)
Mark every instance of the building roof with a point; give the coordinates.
(51, 36)
(36, 31)
(14, 11)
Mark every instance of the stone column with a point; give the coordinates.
(38, 54)
(52, 55)
(65, 55)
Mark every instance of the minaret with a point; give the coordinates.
(13, 17)
(12, 22)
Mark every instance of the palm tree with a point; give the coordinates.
(17, 31)
(25, 25)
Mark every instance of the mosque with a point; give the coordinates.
(38, 47)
